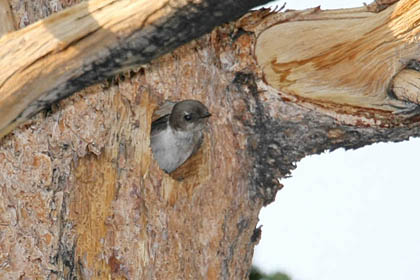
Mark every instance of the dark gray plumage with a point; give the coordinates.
(178, 133)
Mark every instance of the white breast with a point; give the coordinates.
(172, 148)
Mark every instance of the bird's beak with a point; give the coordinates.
(206, 115)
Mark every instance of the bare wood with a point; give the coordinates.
(93, 40)
(7, 23)
(406, 85)
(314, 55)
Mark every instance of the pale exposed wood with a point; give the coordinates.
(406, 85)
(94, 40)
(340, 57)
(7, 23)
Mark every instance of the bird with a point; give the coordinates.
(178, 133)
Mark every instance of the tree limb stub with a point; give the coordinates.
(89, 42)
(406, 85)
(330, 64)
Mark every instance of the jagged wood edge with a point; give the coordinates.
(91, 41)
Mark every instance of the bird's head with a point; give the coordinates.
(189, 115)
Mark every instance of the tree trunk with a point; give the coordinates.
(82, 198)
(7, 22)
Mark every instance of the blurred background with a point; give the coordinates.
(346, 214)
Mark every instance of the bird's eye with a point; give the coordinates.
(188, 117)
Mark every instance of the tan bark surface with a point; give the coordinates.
(7, 22)
(82, 198)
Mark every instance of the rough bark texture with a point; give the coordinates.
(93, 40)
(82, 198)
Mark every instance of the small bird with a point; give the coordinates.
(178, 133)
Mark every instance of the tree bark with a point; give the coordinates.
(82, 198)
(95, 40)
(7, 22)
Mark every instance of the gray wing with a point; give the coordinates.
(161, 117)
(159, 125)
(163, 110)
